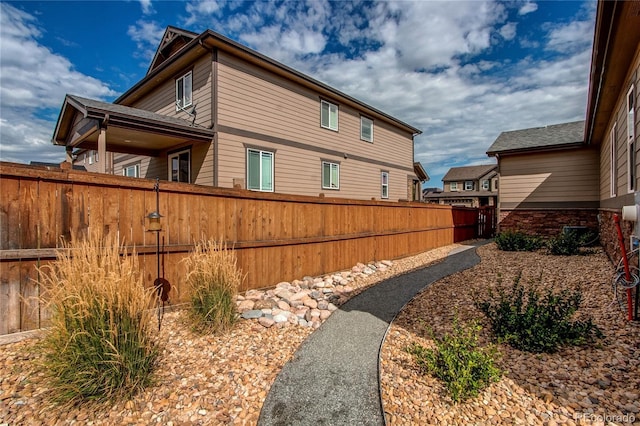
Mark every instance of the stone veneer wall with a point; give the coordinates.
(546, 222)
(609, 234)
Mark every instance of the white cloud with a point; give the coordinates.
(508, 31)
(527, 8)
(147, 7)
(147, 35)
(200, 8)
(33, 81)
(571, 36)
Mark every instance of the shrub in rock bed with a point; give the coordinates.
(517, 241)
(213, 280)
(101, 344)
(532, 322)
(463, 367)
(564, 244)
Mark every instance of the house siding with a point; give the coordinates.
(619, 118)
(258, 108)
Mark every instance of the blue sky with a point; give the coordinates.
(462, 71)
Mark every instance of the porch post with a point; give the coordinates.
(102, 150)
(69, 155)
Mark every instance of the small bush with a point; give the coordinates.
(213, 280)
(534, 323)
(564, 244)
(517, 241)
(464, 367)
(101, 343)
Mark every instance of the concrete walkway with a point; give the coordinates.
(333, 377)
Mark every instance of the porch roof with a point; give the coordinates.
(130, 130)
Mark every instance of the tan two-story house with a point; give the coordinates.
(211, 111)
(469, 186)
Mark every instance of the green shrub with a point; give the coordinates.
(534, 323)
(101, 345)
(213, 280)
(517, 241)
(464, 368)
(564, 244)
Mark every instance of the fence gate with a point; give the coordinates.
(487, 221)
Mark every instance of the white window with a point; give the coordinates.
(468, 185)
(328, 115)
(384, 178)
(631, 137)
(453, 186)
(486, 184)
(613, 153)
(495, 184)
(330, 175)
(132, 170)
(95, 156)
(184, 91)
(180, 166)
(259, 170)
(90, 157)
(366, 129)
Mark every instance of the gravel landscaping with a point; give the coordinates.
(594, 384)
(202, 380)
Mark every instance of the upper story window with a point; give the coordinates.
(486, 184)
(366, 129)
(93, 157)
(180, 166)
(468, 185)
(330, 175)
(495, 184)
(453, 186)
(184, 90)
(631, 137)
(328, 115)
(384, 180)
(132, 170)
(259, 170)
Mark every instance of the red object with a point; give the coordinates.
(625, 262)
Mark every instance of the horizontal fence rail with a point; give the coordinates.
(277, 237)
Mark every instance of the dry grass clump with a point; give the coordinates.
(101, 345)
(213, 279)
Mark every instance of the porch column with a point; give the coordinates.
(68, 155)
(102, 150)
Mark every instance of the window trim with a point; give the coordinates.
(465, 185)
(486, 187)
(179, 105)
(330, 163)
(384, 185)
(453, 187)
(273, 167)
(330, 104)
(177, 154)
(613, 162)
(136, 168)
(631, 137)
(362, 120)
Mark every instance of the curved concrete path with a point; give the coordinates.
(333, 377)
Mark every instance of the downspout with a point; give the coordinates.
(604, 63)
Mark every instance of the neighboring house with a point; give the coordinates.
(211, 111)
(548, 179)
(471, 186)
(582, 173)
(55, 165)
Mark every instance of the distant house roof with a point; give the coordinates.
(556, 136)
(56, 165)
(468, 172)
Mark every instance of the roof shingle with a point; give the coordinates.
(537, 138)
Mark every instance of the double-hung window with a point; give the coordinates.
(613, 154)
(259, 170)
(468, 185)
(184, 90)
(453, 186)
(384, 180)
(631, 137)
(132, 170)
(366, 129)
(330, 175)
(180, 166)
(486, 184)
(328, 115)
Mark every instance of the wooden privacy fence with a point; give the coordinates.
(277, 237)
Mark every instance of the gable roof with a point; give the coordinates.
(556, 136)
(173, 40)
(468, 172)
(210, 41)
